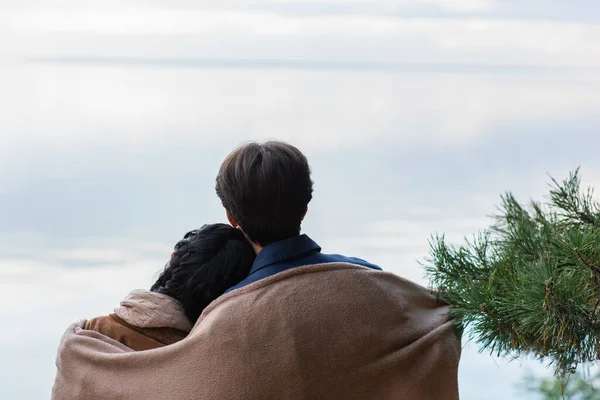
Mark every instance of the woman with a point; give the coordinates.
(204, 264)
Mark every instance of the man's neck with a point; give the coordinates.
(257, 247)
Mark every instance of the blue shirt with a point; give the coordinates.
(291, 253)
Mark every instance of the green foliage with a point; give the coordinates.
(574, 387)
(529, 284)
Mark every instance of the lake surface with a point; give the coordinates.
(105, 165)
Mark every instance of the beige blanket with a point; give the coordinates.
(331, 331)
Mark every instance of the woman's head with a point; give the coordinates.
(204, 264)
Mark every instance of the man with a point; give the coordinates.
(265, 189)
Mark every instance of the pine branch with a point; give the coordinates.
(578, 386)
(529, 284)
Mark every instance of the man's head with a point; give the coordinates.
(265, 189)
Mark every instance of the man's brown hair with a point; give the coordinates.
(266, 188)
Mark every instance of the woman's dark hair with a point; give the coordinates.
(266, 188)
(204, 264)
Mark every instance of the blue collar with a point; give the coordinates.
(283, 250)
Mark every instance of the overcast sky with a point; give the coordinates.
(415, 116)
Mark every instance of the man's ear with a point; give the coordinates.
(231, 220)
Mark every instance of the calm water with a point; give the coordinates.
(104, 167)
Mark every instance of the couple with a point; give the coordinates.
(254, 310)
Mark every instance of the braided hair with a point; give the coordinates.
(204, 264)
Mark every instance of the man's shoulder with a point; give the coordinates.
(351, 260)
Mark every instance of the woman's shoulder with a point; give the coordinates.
(109, 325)
(131, 336)
(98, 324)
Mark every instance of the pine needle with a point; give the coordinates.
(530, 283)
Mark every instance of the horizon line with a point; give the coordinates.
(275, 63)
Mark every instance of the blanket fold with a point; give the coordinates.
(330, 331)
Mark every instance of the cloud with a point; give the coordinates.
(249, 33)
(41, 288)
(71, 109)
(81, 252)
(377, 6)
